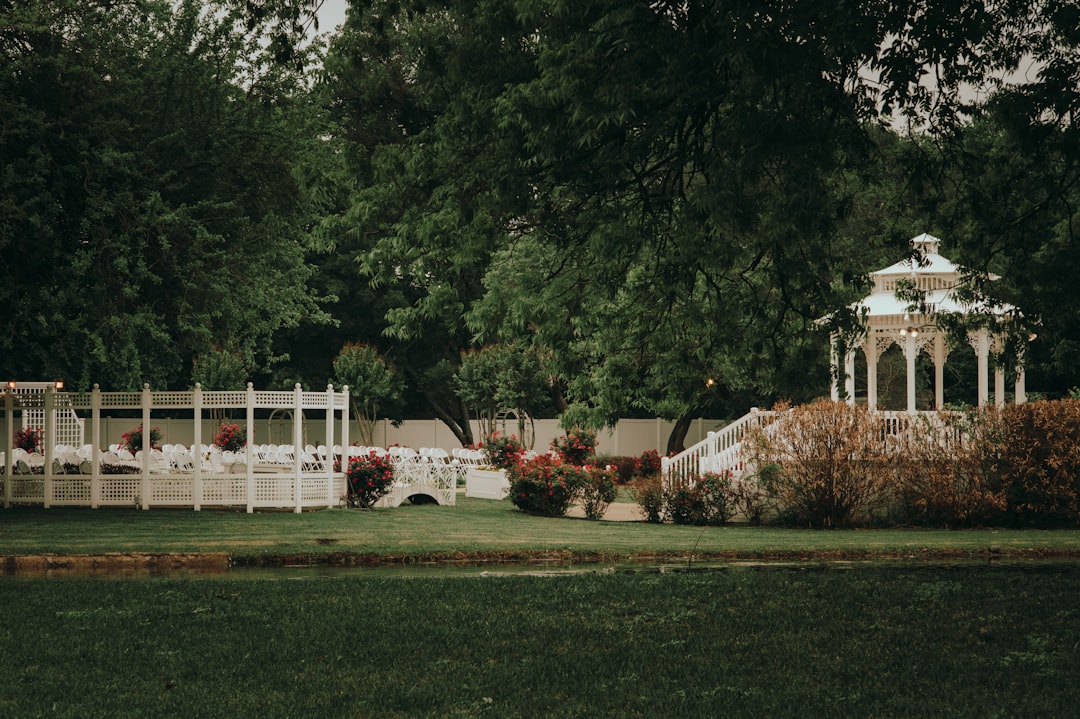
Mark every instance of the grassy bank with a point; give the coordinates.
(474, 529)
(888, 642)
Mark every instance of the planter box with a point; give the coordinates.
(486, 483)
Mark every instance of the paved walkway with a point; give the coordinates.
(616, 512)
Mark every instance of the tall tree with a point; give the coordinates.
(148, 210)
(675, 171)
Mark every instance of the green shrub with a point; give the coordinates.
(648, 492)
(576, 447)
(750, 499)
(368, 479)
(502, 451)
(545, 485)
(598, 491)
(647, 464)
(623, 466)
(710, 499)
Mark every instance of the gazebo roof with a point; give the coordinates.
(938, 278)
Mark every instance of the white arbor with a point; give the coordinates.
(904, 308)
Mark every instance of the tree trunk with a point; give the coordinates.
(676, 441)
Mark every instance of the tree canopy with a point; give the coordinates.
(149, 213)
(658, 199)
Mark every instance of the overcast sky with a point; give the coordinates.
(332, 14)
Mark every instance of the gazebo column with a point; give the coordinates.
(997, 346)
(849, 376)
(910, 351)
(981, 343)
(1020, 391)
(939, 371)
(848, 369)
(870, 350)
(834, 368)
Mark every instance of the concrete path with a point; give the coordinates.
(616, 512)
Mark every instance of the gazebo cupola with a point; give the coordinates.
(904, 308)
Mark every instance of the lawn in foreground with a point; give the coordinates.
(476, 528)
(933, 641)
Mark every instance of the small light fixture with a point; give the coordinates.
(710, 382)
(59, 385)
(11, 384)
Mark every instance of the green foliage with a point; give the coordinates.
(132, 440)
(545, 485)
(369, 478)
(28, 438)
(371, 382)
(576, 447)
(707, 500)
(648, 492)
(218, 369)
(149, 213)
(598, 491)
(497, 378)
(624, 466)
(503, 451)
(647, 464)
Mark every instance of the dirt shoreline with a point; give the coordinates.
(165, 563)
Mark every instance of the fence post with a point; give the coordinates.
(196, 446)
(249, 455)
(144, 488)
(9, 442)
(50, 443)
(95, 448)
(298, 445)
(329, 458)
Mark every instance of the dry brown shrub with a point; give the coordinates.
(1038, 460)
(824, 463)
(945, 470)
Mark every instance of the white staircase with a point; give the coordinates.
(719, 452)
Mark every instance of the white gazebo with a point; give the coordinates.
(904, 308)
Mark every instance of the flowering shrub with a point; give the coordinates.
(368, 479)
(502, 451)
(29, 438)
(647, 464)
(576, 447)
(648, 492)
(132, 440)
(624, 466)
(545, 485)
(230, 438)
(598, 491)
(710, 499)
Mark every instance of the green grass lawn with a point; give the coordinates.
(892, 641)
(885, 639)
(476, 528)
